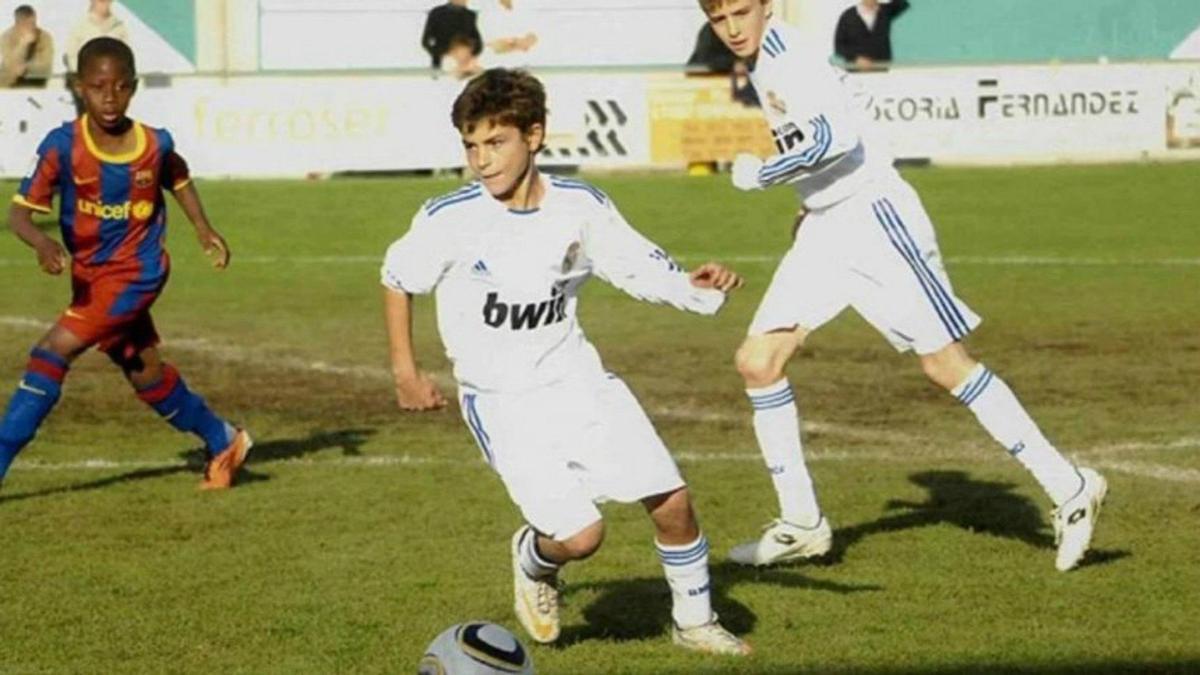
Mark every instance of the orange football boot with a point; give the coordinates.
(220, 470)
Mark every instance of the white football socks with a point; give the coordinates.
(777, 427)
(999, 411)
(686, 569)
(532, 562)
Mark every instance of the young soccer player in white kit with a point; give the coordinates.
(867, 243)
(506, 256)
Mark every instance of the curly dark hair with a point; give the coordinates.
(502, 96)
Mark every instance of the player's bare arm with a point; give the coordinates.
(414, 389)
(211, 241)
(715, 275)
(51, 256)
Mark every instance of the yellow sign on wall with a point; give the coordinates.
(696, 120)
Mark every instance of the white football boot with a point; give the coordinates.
(783, 542)
(1075, 519)
(709, 638)
(536, 603)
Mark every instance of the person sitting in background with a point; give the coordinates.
(510, 36)
(446, 22)
(98, 22)
(864, 33)
(26, 51)
(460, 59)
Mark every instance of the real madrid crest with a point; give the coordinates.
(775, 103)
(571, 256)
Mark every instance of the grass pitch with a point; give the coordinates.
(359, 532)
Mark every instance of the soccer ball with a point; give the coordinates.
(475, 648)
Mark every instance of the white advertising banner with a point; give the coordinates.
(1020, 113)
(291, 126)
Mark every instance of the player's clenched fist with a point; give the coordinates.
(715, 275)
(745, 172)
(419, 393)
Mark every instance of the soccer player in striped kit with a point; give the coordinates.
(110, 172)
(867, 243)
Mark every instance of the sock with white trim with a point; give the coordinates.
(1003, 416)
(535, 565)
(686, 569)
(777, 427)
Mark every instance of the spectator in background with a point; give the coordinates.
(98, 22)
(26, 51)
(509, 35)
(460, 60)
(864, 33)
(446, 22)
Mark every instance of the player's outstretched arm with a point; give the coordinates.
(211, 241)
(52, 257)
(414, 389)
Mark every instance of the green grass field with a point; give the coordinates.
(358, 532)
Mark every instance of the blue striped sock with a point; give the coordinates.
(686, 569)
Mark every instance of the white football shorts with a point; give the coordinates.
(563, 448)
(876, 252)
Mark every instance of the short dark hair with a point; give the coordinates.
(113, 48)
(23, 12)
(503, 96)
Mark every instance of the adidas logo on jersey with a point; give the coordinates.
(525, 316)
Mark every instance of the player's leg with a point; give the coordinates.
(159, 385)
(618, 437)
(919, 310)
(761, 360)
(1077, 493)
(516, 435)
(805, 292)
(38, 391)
(683, 550)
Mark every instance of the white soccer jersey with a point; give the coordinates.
(506, 282)
(817, 130)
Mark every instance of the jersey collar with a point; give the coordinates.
(139, 135)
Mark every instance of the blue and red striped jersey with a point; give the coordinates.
(111, 207)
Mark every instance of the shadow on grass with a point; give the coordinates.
(981, 507)
(349, 440)
(846, 665)
(639, 609)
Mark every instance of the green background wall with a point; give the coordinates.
(1042, 30)
(174, 20)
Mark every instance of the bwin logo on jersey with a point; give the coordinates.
(787, 136)
(527, 316)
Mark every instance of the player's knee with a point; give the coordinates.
(584, 543)
(758, 367)
(947, 368)
(130, 364)
(673, 516)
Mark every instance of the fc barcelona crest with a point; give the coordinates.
(143, 178)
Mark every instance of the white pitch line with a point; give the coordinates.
(1159, 472)
(1003, 260)
(242, 355)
